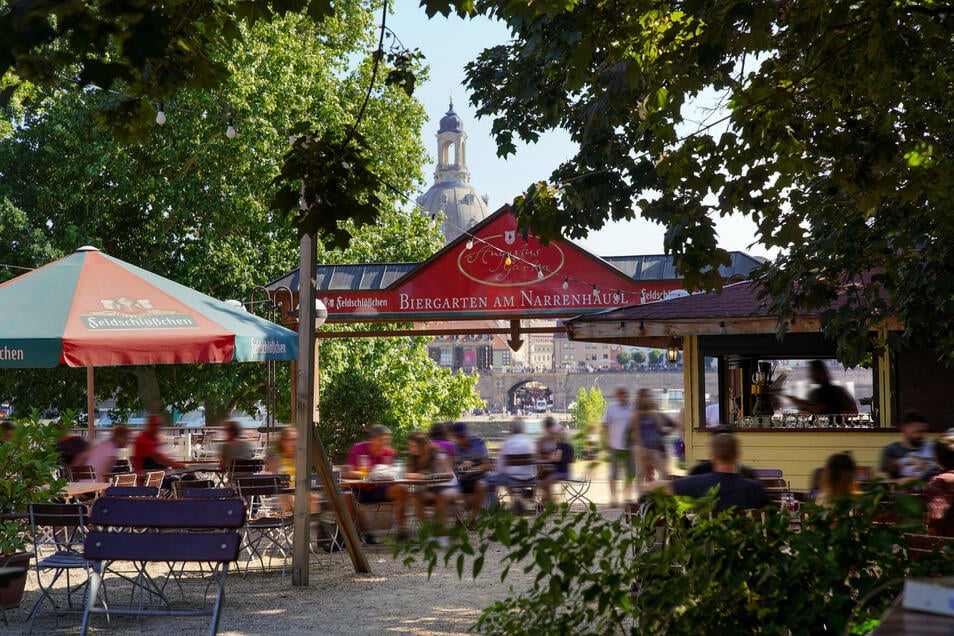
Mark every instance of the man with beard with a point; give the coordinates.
(907, 457)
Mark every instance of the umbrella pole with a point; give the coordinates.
(90, 406)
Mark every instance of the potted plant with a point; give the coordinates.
(28, 463)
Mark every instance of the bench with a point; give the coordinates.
(168, 531)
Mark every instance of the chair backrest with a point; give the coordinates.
(243, 467)
(125, 479)
(154, 478)
(526, 459)
(259, 486)
(182, 514)
(179, 486)
(122, 466)
(133, 491)
(67, 522)
(82, 473)
(207, 493)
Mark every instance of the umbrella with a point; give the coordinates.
(91, 310)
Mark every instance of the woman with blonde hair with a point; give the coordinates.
(838, 479)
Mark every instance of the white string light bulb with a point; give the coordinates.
(539, 272)
(566, 283)
(230, 129)
(470, 244)
(161, 115)
(596, 292)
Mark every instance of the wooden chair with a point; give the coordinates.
(125, 479)
(176, 531)
(82, 473)
(122, 466)
(153, 478)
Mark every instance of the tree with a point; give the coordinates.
(188, 202)
(656, 358)
(587, 410)
(638, 357)
(832, 129)
(624, 358)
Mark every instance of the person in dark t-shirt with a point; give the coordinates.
(735, 491)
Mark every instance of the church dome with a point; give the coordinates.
(452, 195)
(451, 122)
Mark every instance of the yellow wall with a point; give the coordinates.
(796, 453)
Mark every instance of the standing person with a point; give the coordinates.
(147, 450)
(901, 459)
(735, 491)
(426, 459)
(234, 447)
(472, 465)
(647, 430)
(103, 455)
(362, 459)
(838, 479)
(616, 421)
(826, 398)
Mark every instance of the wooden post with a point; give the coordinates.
(305, 400)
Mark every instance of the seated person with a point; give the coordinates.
(510, 476)
(362, 459)
(234, 447)
(147, 450)
(557, 451)
(940, 490)
(441, 437)
(426, 459)
(707, 466)
(837, 479)
(735, 491)
(906, 459)
(103, 455)
(281, 461)
(472, 465)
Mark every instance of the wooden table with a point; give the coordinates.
(75, 489)
(898, 621)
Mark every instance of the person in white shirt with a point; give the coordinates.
(616, 423)
(518, 443)
(104, 454)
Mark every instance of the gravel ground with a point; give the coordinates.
(393, 599)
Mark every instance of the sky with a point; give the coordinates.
(448, 45)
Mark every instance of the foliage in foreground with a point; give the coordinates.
(27, 463)
(726, 573)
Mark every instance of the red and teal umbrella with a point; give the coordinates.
(91, 310)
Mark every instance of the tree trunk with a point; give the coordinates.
(149, 394)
